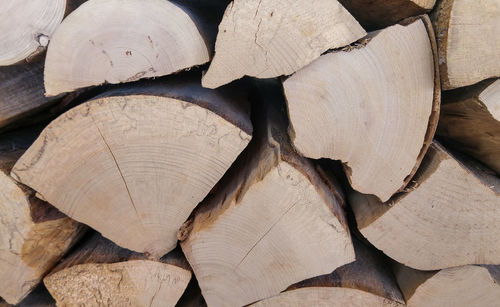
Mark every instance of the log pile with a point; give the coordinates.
(250, 153)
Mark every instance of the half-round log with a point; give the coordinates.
(116, 41)
(134, 162)
(374, 107)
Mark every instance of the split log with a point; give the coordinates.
(33, 234)
(39, 297)
(470, 119)
(379, 115)
(269, 38)
(468, 35)
(470, 285)
(26, 27)
(99, 273)
(21, 91)
(134, 162)
(114, 41)
(449, 216)
(272, 220)
(366, 282)
(376, 14)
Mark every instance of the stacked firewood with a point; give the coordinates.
(253, 152)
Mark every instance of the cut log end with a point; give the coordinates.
(379, 115)
(26, 27)
(448, 217)
(142, 161)
(89, 47)
(131, 283)
(266, 39)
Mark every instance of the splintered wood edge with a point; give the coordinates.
(441, 19)
(59, 79)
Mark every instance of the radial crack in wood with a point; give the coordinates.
(270, 222)
(26, 27)
(115, 41)
(99, 273)
(270, 38)
(374, 107)
(366, 282)
(376, 14)
(134, 162)
(470, 119)
(33, 234)
(470, 285)
(468, 35)
(449, 216)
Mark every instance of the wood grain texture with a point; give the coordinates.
(134, 163)
(376, 14)
(379, 115)
(115, 41)
(449, 216)
(469, 285)
(470, 121)
(33, 235)
(368, 281)
(100, 273)
(468, 34)
(255, 233)
(270, 38)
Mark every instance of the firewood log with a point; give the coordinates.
(449, 216)
(373, 106)
(468, 35)
(272, 220)
(39, 297)
(270, 38)
(366, 282)
(470, 285)
(115, 41)
(376, 14)
(134, 162)
(470, 120)
(33, 234)
(99, 273)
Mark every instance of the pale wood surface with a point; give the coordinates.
(470, 118)
(114, 41)
(368, 281)
(99, 273)
(468, 33)
(270, 38)
(270, 222)
(134, 163)
(469, 285)
(26, 27)
(33, 235)
(375, 14)
(449, 216)
(378, 115)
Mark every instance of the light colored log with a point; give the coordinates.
(33, 234)
(100, 273)
(468, 34)
(366, 282)
(376, 14)
(26, 27)
(470, 285)
(270, 222)
(449, 216)
(134, 162)
(470, 118)
(114, 41)
(374, 106)
(270, 38)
